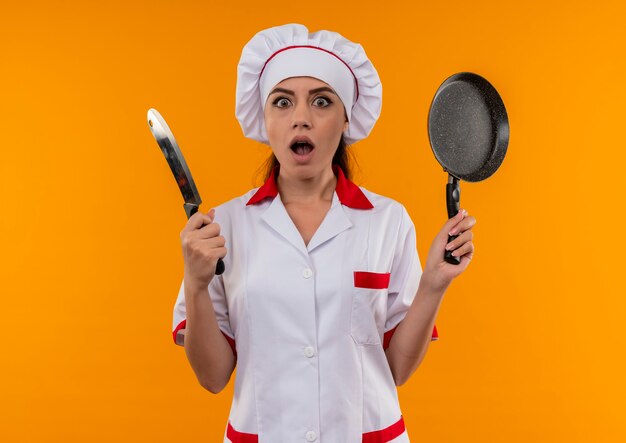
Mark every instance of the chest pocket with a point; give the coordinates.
(369, 306)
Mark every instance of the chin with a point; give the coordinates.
(303, 171)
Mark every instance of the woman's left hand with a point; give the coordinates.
(438, 274)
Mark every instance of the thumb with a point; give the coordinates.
(211, 215)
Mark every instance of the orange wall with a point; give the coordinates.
(531, 334)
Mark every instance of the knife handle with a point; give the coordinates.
(191, 209)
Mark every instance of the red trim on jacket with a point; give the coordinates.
(269, 189)
(231, 342)
(180, 326)
(183, 325)
(389, 334)
(240, 437)
(435, 335)
(380, 436)
(385, 435)
(349, 194)
(372, 280)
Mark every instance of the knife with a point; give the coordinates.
(175, 159)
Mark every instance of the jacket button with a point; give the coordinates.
(309, 351)
(307, 273)
(311, 436)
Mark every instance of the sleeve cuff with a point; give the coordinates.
(435, 335)
(178, 327)
(231, 342)
(183, 324)
(389, 334)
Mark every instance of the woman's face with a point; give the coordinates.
(304, 119)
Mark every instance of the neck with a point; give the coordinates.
(306, 190)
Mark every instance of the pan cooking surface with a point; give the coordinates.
(463, 128)
(468, 127)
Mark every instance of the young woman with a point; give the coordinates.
(323, 308)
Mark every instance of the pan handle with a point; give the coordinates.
(453, 198)
(191, 209)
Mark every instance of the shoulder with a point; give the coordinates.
(233, 210)
(386, 206)
(236, 203)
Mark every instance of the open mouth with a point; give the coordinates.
(302, 148)
(302, 145)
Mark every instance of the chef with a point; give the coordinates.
(324, 307)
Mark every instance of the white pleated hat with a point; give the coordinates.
(281, 52)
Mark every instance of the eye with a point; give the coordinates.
(322, 101)
(281, 102)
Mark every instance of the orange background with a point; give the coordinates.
(531, 333)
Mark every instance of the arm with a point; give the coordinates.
(208, 351)
(412, 337)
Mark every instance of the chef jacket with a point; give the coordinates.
(309, 324)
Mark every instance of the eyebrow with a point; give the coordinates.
(311, 92)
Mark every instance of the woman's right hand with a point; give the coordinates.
(202, 246)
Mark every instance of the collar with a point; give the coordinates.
(349, 194)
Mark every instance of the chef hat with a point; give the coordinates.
(275, 54)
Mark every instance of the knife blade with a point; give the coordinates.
(176, 161)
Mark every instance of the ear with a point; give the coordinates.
(345, 126)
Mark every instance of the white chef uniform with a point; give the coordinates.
(309, 324)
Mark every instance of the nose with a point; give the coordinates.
(301, 115)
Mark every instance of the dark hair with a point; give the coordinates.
(342, 158)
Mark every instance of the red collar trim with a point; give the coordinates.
(269, 189)
(349, 194)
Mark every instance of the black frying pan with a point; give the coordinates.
(468, 130)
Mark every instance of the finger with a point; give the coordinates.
(205, 219)
(196, 221)
(459, 240)
(209, 231)
(465, 224)
(216, 242)
(221, 252)
(209, 217)
(442, 236)
(465, 248)
(215, 254)
(456, 220)
(465, 261)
